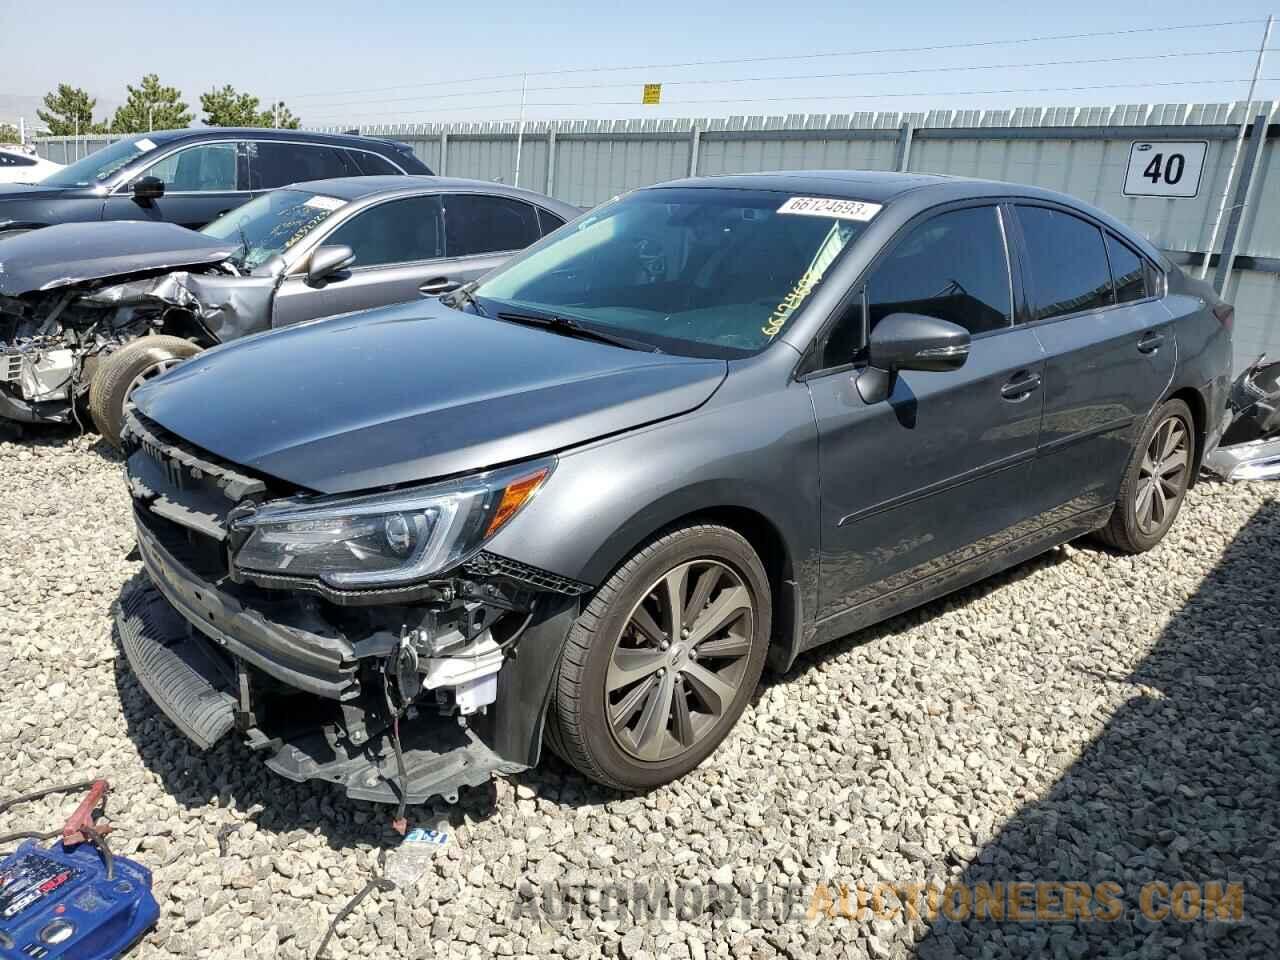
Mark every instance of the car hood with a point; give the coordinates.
(71, 253)
(411, 393)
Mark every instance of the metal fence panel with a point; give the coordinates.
(746, 154)
(1083, 151)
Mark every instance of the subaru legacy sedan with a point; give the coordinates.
(709, 425)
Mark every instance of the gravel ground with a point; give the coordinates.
(1084, 717)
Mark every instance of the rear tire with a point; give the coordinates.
(642, 695)
(1155, 482)
(122, 372)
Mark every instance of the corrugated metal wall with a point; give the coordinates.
(1081, 151)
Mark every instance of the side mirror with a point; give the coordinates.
(146, 189)
(328, 260)
(910, 341)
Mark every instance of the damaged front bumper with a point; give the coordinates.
(315, 687)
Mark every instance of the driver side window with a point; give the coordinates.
(210, 167)
(954, 267)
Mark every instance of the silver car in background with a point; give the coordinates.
(135, 298)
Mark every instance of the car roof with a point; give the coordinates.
(925, 190)
(272, 133)
(874, 186)
(357, 188)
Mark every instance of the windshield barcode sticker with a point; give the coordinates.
(324, 203)
(829, 207)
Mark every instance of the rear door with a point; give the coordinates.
(399, 254)
(201, 182)
(922, 486)
(1110, 354)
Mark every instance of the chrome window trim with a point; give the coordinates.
(119, 185)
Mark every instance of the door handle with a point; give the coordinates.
(438, 285)
(1150, 342)
(1021, 386)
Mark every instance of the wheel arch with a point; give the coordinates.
(745, 514)
(1196, 403)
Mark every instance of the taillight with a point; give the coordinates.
(1226, 314)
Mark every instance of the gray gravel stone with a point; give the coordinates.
(1085, 716)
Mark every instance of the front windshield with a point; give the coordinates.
(272, 223)
(700, 271)
(101, 165)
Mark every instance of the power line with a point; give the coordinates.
(968, 45)
(809, 76)
(827, 95)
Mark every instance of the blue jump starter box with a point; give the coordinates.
(57, 902)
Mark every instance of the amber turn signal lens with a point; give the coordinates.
(513, 498)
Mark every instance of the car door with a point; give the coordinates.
(399, 255)
(201, 182)
(1110, 354)
(483, 230)
(927, 483)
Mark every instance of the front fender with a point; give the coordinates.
(745, 453)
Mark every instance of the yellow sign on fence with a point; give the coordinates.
(652, 93)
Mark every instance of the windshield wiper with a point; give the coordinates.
(464, 295)
(567, 326)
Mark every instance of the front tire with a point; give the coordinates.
(658, 668)
(122, 372)
(1155, 482)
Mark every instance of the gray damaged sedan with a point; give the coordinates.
(88, 311)
(710, 425)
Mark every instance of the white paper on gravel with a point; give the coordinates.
(419, 848)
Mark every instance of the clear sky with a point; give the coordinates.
(332, 62)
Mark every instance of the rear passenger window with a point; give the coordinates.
(1128, 272)
(372, 165)
(476, 224)
(1068, 263)
(549, 221)
(953, 267)
(274, 164)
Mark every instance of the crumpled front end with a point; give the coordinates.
(395, 700)
(53, 341)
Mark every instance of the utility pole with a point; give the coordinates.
(22, 130)
(524, 86)
(151, 117)
(275, 114)
(1235, 156)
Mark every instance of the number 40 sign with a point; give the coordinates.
(1165, 168)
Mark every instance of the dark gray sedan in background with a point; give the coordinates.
(195, 175)
(710, 424)
(91, 310)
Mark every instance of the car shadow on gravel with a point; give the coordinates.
(1182, 786)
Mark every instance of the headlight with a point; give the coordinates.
(386, 539)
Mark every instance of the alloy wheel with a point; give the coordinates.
(1162, 475)
(150, 373)
(678, 663)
